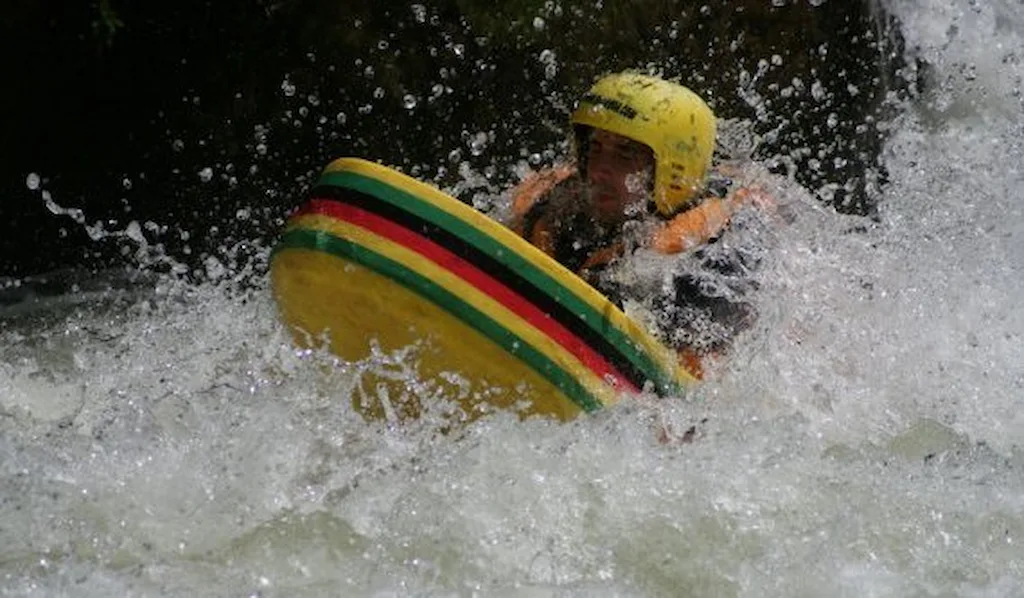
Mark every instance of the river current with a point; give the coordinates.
(863, 440)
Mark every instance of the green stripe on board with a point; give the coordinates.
(437, 294)
(511, 259)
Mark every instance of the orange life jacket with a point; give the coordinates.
(689, 229)
(527, 198)
(686, 230)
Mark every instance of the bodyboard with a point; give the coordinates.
(378, 261)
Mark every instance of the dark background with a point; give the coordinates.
(121, 106)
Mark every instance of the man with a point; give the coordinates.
(641, 179)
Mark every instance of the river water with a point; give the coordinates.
(863, 440)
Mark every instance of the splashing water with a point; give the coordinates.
(862, 440)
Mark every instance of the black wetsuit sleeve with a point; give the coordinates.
(705, 309)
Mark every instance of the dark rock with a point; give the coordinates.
(213, 118)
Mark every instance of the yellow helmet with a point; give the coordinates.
(668, 118)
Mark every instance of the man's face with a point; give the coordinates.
(619, 172)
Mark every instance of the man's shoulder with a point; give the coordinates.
(539, 185)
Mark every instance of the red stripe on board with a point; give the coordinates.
(473, 275)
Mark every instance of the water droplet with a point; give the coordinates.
(419, 12)
(206, 174)
(341, 118)
(538, 23)
(243, 214)
(409, 101)
(287, 87)
(548, 58)
(818, 91)
(177, 145)
(261, 149)
(32, 181)
(214, 270)
(313, 99)
(378, 93)
(478, 143)
(134, 232)
(126, 183)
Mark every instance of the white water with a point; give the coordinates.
(864, 441)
